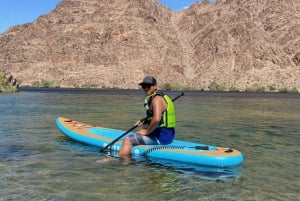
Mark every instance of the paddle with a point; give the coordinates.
(131, 129)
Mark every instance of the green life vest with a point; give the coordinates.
(168, 119)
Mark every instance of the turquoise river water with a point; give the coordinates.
(37, 162)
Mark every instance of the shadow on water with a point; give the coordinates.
(9, 152)
(185, 169)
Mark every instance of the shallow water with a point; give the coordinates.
(37, 162)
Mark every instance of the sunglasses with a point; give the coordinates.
(146, 86)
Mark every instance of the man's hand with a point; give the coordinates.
(139, 123)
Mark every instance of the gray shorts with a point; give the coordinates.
(137, 139)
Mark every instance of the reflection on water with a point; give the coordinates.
(38, 163)
(206, 172)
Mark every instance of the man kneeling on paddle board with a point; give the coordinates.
(159, 126)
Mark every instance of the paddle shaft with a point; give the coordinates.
(131, 129)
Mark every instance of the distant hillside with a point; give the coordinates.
(233, 44)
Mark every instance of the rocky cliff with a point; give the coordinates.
(115, 43)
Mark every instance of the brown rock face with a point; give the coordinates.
(115, 43)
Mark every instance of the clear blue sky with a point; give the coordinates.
(177, 5)
(17, 12)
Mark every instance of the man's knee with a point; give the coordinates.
(126, 148)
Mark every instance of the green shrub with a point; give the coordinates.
(217, 87)
(255, 88)
(173, 87)
(44, 84)
(234, 89)
(272, 88)
(4, 87)
(166, 86)
(287, 90)
(89, 85)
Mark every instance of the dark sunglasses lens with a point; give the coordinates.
(144, 86)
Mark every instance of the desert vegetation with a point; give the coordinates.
(8, 83)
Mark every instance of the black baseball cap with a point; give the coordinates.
(148, 80)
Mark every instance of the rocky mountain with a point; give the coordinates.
(115, 43)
